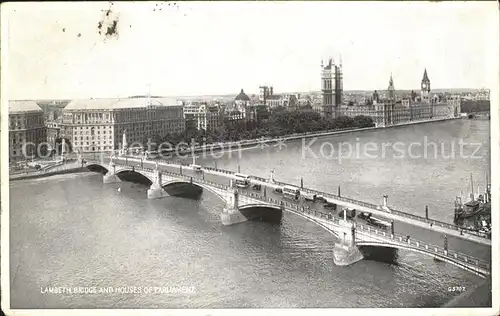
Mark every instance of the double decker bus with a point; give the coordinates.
(242, 180)
(291, 192)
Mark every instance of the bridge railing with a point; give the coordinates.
(340, 198)
(368, 233)
(392, 211)
(292, 205)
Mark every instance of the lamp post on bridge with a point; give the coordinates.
(339, 191)
(392, 228)
(301, 182)
(426, 212)
(238, 168)
(265, 191)
(180, 169)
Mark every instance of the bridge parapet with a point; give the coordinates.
(332, 196)
(392, 211)
(366, 235)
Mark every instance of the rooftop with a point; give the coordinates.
(120, 103)
(23, 106)
(242, 96)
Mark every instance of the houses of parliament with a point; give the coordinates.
(388, 109)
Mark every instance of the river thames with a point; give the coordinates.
(125, 251)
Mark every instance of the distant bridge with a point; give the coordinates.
(351, 235)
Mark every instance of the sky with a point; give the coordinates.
(54, 50)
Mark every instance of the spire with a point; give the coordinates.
(340, 60)
(426, 78)
(391, 83)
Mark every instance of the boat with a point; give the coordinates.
(474, 207)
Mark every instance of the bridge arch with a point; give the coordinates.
(268, 212)
(314, 221)
(304, 216)
(96, 167)
(441, 257)
(135, 174)
(201, 186)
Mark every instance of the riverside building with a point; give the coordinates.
(202, 116)
(98, 124)
(26, 126)
(392, 110)
(332, 87)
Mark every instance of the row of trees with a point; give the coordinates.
(280, 123)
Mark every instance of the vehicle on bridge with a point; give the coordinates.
(370, 219)
(349, 213)
(242, 180)
(257, 187)
(309, 197)
(197, 168)
(330, 205)
(278, 190)
(321, 198)
(291, 192)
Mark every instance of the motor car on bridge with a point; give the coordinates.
(197, 168)
(308, 197)
(349, 213)
(321, 198)
(330, 205)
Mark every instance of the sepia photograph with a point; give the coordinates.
(287, 157)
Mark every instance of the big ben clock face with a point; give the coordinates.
(423, 85)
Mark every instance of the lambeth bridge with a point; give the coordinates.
(440, 240)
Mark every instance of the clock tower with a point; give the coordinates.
(425, 87)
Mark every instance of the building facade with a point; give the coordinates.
(98, 124)
(332, 88)
(203, 116)
(27, 132)
(240, 109)
(53, 124)
(392, 111)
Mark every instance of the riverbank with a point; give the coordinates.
(257, 142)
(70, 167)
(74, 167)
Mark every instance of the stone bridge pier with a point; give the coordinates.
(345, 251)
(110, 176)
(230, 214)
(156, 190)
